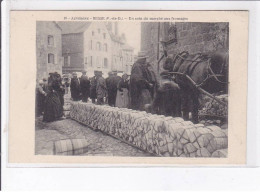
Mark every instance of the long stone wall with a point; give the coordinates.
(157, 134)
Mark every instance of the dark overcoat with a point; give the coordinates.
(140, 89)
(85, 87)
(111, 83)
(93, 87)
(75, 89)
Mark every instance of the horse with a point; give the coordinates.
(208, 71)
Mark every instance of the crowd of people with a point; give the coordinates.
(112, 90)
(50, 98)
(50, 93)
(133, 91)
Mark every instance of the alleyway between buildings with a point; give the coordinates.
(100, 144)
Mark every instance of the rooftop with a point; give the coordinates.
(73, 27)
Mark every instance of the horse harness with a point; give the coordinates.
(195, 61)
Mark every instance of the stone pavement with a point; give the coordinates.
(100, 144)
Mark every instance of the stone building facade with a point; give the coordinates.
(92, 46)
(85, 46)
(48, 48)
(193, 37)
(128, 58)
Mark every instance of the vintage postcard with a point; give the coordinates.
(128, 87)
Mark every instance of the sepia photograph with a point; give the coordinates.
(129, 95)
(132, 89)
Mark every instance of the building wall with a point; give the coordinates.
(43, 30)
(101, 36)
(191, 36)
(149, 39)
(73, 47)
(117, 56)
(128, 60)
(200, 37)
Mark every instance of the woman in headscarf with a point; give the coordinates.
(40, 98)
(122, 98)
(53, 106)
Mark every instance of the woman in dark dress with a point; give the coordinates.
(122, 98)
(53, 105)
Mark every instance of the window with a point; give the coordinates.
(91, 61)
(67, 61)
(104, 35)
(86, 60)
(93, 33)
(98, 46)
(50, 40)
(105, 63)
(98, 62)
(91, 45)
(105, 47)
(99, 31)
(51, 58)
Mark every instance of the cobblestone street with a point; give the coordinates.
(100, 144)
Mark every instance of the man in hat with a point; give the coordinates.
(101, 88)
(84, 86)
(142, 83)
(112, 82)
(75, 87)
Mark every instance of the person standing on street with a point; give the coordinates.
(84, 86)
(142, 83)
(75, 87)
(53, 109)
(101, 88)
(122, 98)
(93, 88)
(45, 85)
(111, 89)
(40, 98)
(59, 87)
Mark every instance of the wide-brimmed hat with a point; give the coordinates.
(141, 55)
(74, 73)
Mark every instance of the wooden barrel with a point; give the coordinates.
(70, 147)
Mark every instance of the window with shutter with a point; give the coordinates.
(105, 63)
(105, 47)
(91, 61)
(51, 58)
(67, 61)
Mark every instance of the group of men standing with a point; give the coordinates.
(141, 86)
(83, 88)
(98, 89)
(80, 87)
